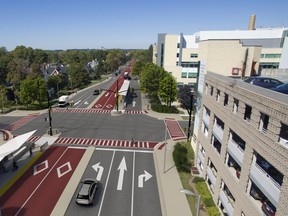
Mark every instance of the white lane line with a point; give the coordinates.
(133, 174)
(100, 208)
(40, 183)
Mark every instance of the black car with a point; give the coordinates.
(96, 92)
(87, 192)
(265, 82)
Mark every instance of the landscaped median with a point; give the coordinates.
(19, 173)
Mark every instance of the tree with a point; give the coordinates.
(137, 68)
(168, 89)
(78, 76)
(115, 58)
(150, 78)
(17, 71)
(5, 58)
(33, 90)
(184, 96)
(3, 97)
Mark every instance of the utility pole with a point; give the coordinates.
(117, 105)
(49, 111)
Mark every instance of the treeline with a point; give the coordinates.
(22, 71)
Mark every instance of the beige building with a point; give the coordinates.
(241, 146)
(236, 53)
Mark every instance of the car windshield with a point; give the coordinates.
(283, 87)
(84, 192)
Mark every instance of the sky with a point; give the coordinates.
(125, 24)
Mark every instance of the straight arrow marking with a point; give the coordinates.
(122, 168)
(99, 169)
(143, 178)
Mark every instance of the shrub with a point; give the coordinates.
(180, 157)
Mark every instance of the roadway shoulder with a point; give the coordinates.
(64, 201)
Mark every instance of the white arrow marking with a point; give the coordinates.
(143, 178)
(86, 102)
(77, 103)
(122, 167)
(106, 95)
(99, 169)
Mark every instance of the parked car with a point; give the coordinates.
(268, 208)
(265, 82)
(87, 192)
(281, 88)
(96, 92)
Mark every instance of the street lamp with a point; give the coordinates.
(49, 111)
(188, 192)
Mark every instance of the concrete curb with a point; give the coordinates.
(68, 193)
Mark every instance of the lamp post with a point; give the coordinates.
(188, 192)
(49, 112)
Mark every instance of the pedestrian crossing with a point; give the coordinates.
(106, 142)
(21, 122)
(34, 138)
(83, 110)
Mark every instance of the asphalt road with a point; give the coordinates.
(128, 184)
(100, 126)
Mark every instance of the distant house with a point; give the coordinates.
(53, 70)
(92, 65)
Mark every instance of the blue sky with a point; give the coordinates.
(82, 24)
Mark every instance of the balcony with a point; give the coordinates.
(218, 132)
(235, 151)
(269, 187)
(206, 119)
(211, 176)
(226, 203)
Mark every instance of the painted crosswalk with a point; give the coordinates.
(106, 142)
(83, 110)
(174, 129)
(21, 122)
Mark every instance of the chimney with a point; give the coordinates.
(252, 22)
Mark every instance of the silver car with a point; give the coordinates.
(87, 192)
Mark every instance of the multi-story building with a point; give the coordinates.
(236, 53)
(242, 146)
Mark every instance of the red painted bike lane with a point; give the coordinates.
(39, 189)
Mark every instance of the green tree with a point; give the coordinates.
(3, 98)
(33, 90)
(17, 71)
(78, 76)
(115, 58)
(5, 58)
(184, 96)
(137, 68)
(150, 78)
(168, 89)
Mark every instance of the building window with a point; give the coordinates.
(218, 95)
(226, 98)
(270, 55)
(191, 85)
(192, 75)
(263, 124)
(235, 105)
(211, 91)
(178, 45)
(206, 88)
(247, 114)
(283, 136)
(180, 84)
(194, 55)
(177, 55)
(189, 64)
(184, 75)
